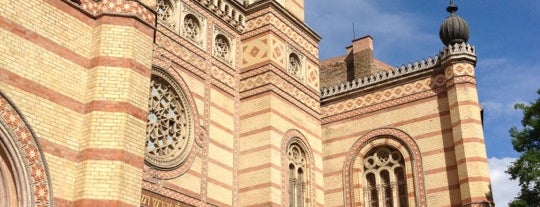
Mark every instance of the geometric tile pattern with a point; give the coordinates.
(384, 96)
(292, 32)
(223, 77)
(312, 75)
(136, 8)
(270, 78)
(180, 51)
(31, 152)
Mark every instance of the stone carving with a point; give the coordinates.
(295, 67)
(170, 124)
(165, 13)
(384, 179)
(226, 12)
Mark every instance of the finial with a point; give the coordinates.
(452, 8)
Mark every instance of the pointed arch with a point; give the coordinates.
(384, 137)
(295, 139)
(23, 161)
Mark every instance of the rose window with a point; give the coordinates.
(169, 127)
(165, 12)
(294, 67)
(192, 27)
(222, 47)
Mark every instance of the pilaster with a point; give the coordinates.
(111, 156)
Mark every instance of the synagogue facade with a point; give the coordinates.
(166, 103)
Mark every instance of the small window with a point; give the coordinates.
(295, 66)
(165, 12)
(222, 47)
(192, 27)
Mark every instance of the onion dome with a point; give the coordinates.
(454, 29)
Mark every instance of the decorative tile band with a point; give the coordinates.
(417, 66)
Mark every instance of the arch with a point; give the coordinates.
(392, 137)
(293, 136)
(199, 132)
(23, 159)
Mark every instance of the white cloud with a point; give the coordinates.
(504, 189)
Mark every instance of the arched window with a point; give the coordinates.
(222, 48)
(384, 178)
(192, 27)
(294, 65)
(297, 175)
(169, 130)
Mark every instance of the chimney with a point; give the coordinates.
(362, 57)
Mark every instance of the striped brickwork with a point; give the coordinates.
(81, 82)
(275, 108)
(208, 180)
(444, 124)
(78, 77)
(468, 137)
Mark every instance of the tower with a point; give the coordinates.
(280, 144)
(458, 61)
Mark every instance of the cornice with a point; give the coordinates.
(263, 4)
(457, 52)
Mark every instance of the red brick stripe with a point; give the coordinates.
(396, 124)
(265, 204)
(260, 186)
(123, 107)
(40, 90)
(112, 155)
(219, 183)
(464, 103)
(260, 130)
(472, 159)
(466, 121)
(70, 55)
(220, 164)
(443, 189)
(121, 63)
(43, 42)
(469, 140)
(100, 203)
(260, 148)
(259, 167)
(92, 154)
(68, 102)
(474, 179)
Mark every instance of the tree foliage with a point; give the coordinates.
(526, 169)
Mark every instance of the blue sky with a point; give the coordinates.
(505, 34)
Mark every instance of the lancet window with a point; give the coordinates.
(385, 181)
(297, 175)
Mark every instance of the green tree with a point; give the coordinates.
(526, 169)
